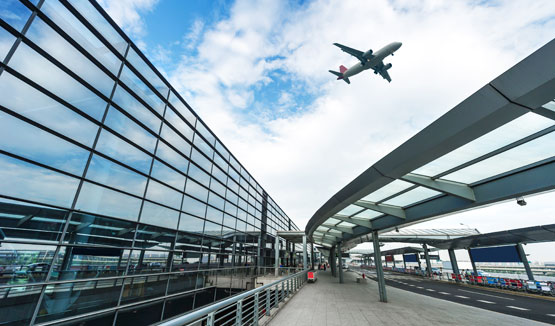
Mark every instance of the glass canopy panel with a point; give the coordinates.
(322, 229)
(332, 221)
(412, 196)
(367, 214)
(350, 210)
(387, 190)
(347, 224)
(515, 130)
(550, 105)
(530, 152)
(332, 231)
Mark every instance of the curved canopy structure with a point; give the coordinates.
(498, 144)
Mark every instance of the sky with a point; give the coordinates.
(256, 73)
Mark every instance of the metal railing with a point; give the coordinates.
(246, 308)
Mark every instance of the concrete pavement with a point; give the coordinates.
(327, 303)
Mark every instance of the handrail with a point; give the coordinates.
(206, 311)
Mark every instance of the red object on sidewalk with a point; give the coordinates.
(363, 276)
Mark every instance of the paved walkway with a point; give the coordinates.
(327, 303)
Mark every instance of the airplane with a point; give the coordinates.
(368, 60)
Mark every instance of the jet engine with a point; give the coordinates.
(368, 54)
(387, 66)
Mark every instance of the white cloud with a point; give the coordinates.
(127, 14)
(451, 49)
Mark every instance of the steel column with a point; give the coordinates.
(305, 261)
(312, 254)
(268, 304)
(239, 313)
(453, 260)
(339, 255)
(428, 262)
(332, 261)
(379, 269)
(256, 310)
(525, 261)
(473, 263)
(277, 255)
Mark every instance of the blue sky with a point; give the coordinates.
(256, 72)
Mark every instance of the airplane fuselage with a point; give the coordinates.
(376, 60)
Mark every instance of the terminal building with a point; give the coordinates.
(118, 205)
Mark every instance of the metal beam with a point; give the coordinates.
(524, 260)
(339, 228)
(25, 219)
(305, 261)
(428, 262)
(452, 188)
(276, 248)
(366, 224)
(383, 208)
(472, 263)
(454, 264)
(379, 269)
(340, 262)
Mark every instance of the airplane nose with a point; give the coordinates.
(399, 45)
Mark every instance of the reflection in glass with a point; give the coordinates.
(40, 146)
(172, 158)
(154, 237)
(6, 42)
(14, 13)
(91, 229)
(388, 190)
(129, 129)
(181, 108)
(179, 124)
(136, 109)
(97, 199)
(24, 263)
(36, 106)
(196, 190)
(122, 151)
(25, 61)
(148, 262)
(191, 224)
(30, 182)
(111, 174)
(75, 263)
(139, 64)
(144, 287)
(168, 175)
(163, 195)
(175, 140)
(159, 215)
(193, 206)
(138, 87)
(412, 196)
(200, 176)
(17, 304)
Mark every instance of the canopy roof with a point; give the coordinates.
(496, 145)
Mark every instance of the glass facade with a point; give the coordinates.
(118, 205)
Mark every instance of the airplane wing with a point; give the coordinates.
(355, 53)
(382, 70)
(385, 75)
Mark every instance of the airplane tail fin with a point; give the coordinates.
(340, 74)
(342, 69)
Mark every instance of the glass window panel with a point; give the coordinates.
(229, 221)
(154, 237)
(212, 229)
(100, 24)
(367, 214)
(412, 196)
(220, 148)
(388, 190)
(230, 196)
(109, 173)
(517, 129)
(184, 281)
(528, 153)
(159, 215)
(230, 208)
(69, 299)
(145, 314)
(203, 130)
(550, 105)
(89, 262)
(24, 222)
(23, 263)
(132, 131)
(193, 206)
(6, 42)
(219, 174)
(221, 162)
(216, 201)
(50, 41)
(33, 143)
(122, 151)
(136, 109)
(203, 146)
(14, 13)
(350, 210)
(18, 304)
(168, 175)
(201, 160)
(241, 225)
(182, 109)
(199, 175)
(179, 124)
(214, 215)
(140, 88)
(191, 224)
(149, 74)
(175, 140)
(36, 106)
(92, 229)
(28, 181)
(172, 157)
(217, 187)
(163, 195)
(79, 33)
(148, 262)
(26, 61)
(96, 199)
(196, 190)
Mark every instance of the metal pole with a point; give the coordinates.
(428, 262)
(332, 261)
(473, 263)
(239, 313)
(340, 262)
(404, 262)
(312, 254)
(277, 255)
(524, 260)
(268, 307)
(379, 270)
(453, 260)
(305, 261)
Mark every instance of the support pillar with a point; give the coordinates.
(404, 263)
(339, 255)
(305, 261)
(332, 261)
(524, 260)
(379, 269)
(276, 248)
(453, 260)
(473, 263)
(312, 257)
(428, 262)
